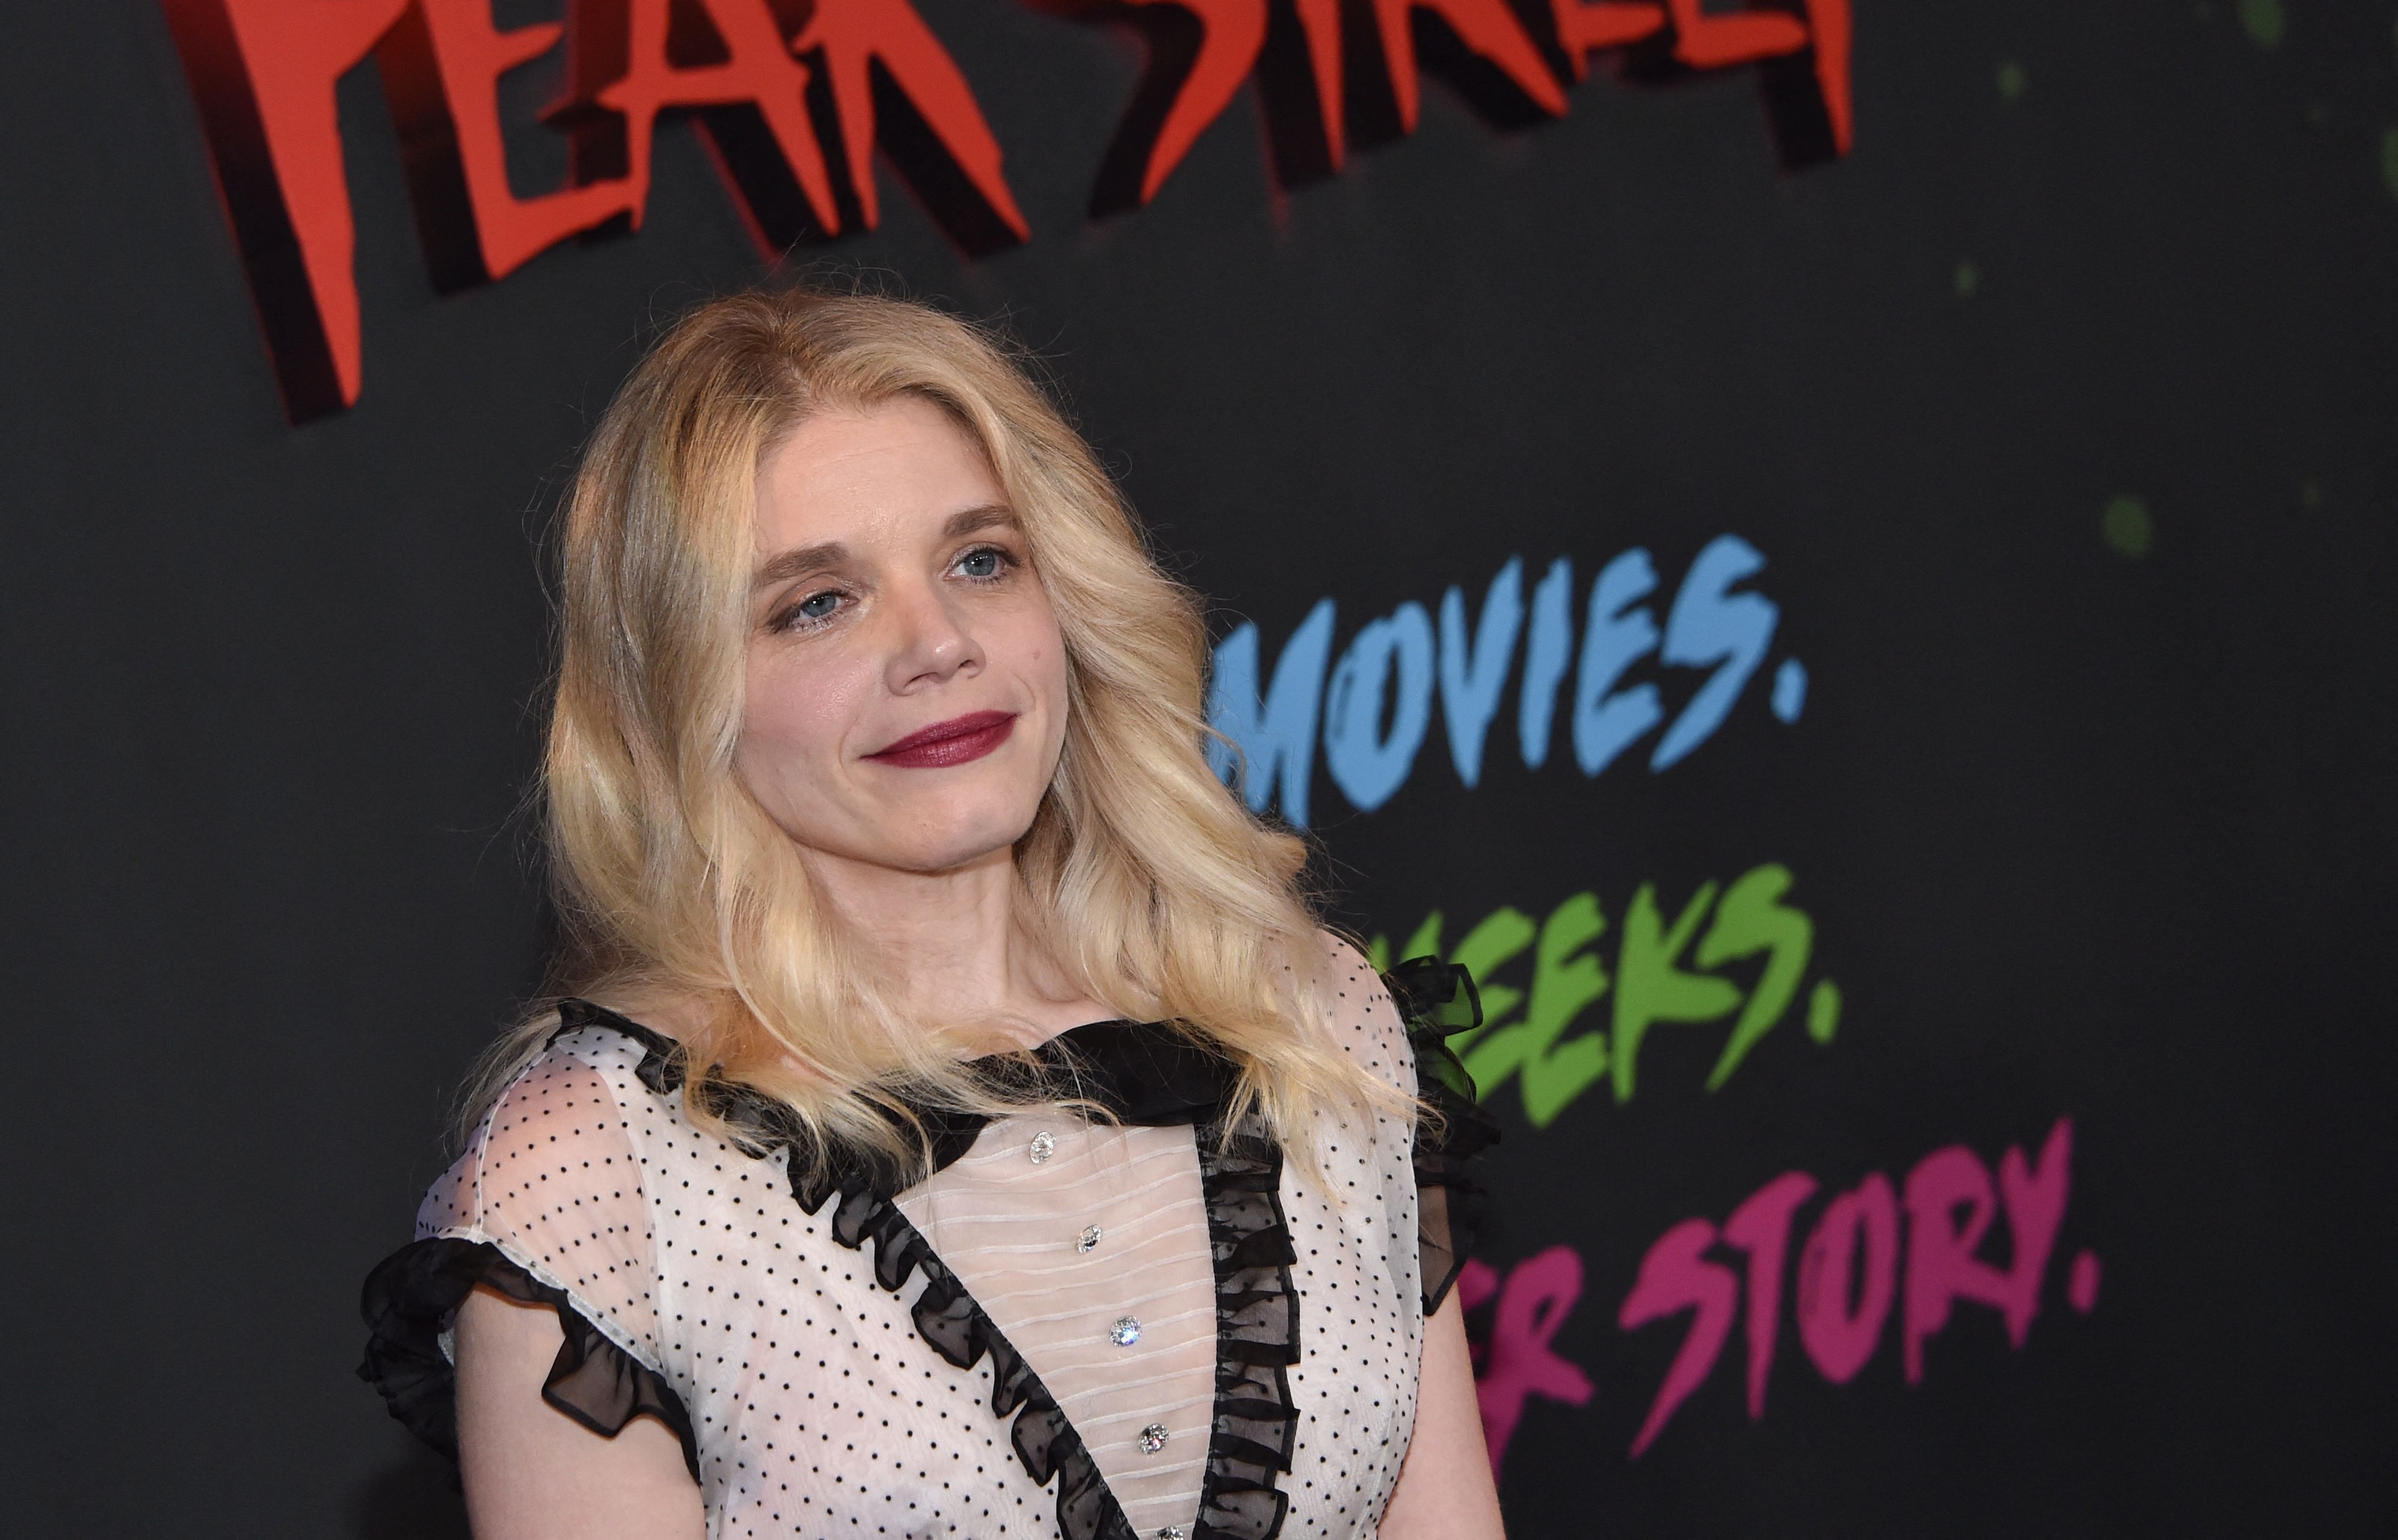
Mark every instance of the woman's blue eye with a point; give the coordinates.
(980, 564)
(815, 606)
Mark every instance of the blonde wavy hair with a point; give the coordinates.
(1151, 886)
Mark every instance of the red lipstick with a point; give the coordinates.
(952, 743)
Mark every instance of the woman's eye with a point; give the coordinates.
(810, 610)
(986, 562)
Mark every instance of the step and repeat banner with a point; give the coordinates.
(1837, 554)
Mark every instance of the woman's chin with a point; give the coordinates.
(957, 848)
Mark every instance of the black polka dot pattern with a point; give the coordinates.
(815, 1407)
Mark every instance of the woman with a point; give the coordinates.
(958, 1123)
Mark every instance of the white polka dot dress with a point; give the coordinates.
(1069, 1328)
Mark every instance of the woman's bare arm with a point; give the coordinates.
(534, 1473)
(1444, 1490)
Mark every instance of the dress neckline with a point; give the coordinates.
(1145, 1073)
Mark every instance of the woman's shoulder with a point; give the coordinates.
(1413, 997)
(1355, 1005)
(593, 1068)
(552, 1201)
(1403, 1017)
(1395, 1018)
(591, 1107)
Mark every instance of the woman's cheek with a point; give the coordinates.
(1043, 651)
(786, 723)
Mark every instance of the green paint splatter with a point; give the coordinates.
(2264, 21)
(2012, 81)
(2389, 159)
(2127, 527)
(1967, 279)
(1823, 1011)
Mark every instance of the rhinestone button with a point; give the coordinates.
(1089, 1239)
(1153, 1438)
(1173, 1531)
(1044, 1145)
(1125, 1333)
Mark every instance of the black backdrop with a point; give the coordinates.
(2059, 412)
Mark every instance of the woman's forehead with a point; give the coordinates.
(901, 469)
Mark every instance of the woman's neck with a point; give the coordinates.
(951, 945)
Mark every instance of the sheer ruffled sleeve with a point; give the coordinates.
(1437, 999)
(547, 1207)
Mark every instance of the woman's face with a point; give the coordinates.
(906, 683)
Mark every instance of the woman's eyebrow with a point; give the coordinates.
(991, 516)
(798, 560)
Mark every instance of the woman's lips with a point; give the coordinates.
(951, 743)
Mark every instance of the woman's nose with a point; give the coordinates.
(930, 642)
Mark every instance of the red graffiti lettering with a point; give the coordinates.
(1941, 1264)
(1232, 40)
(1676, 1277)
(1515, 1362)
(442, 67)
(2081, 1288)
(1585, 28)
(1843, 1303)
(629, 60)
(1761, 1227)
(1231, 36)
(1486, 27)
(2034, 1198)
(1841, 1307)
(263, 73)
(860, 33)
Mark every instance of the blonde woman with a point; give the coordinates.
(954, 1121)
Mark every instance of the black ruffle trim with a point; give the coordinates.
(947, 1316)
(1437, 999)
(949, 1319)
(1256, 1425)
(412, 1296)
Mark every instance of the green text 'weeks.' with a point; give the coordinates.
(1678, 965)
